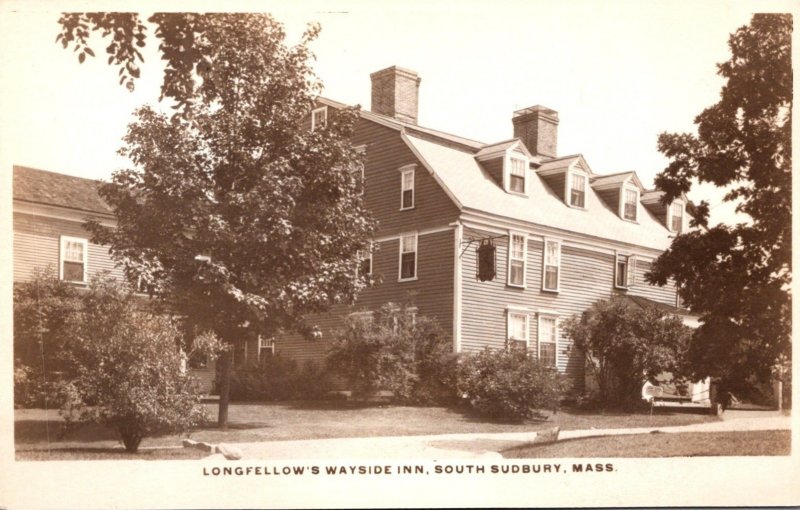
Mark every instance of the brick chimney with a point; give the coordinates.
(395, 93)
(537, 127)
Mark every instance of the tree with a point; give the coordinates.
(626, 345)
(233, 213)
(737, 277)
(128, 365)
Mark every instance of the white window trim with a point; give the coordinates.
(405, 170)
(512, 310)
(507, 172)
(623, 191)
(400, 257)
(546, 315)
(631, 264)
(317, 110)
(270, 347)
(361, 258)
(568, 189)
(511, 234)
(61, 252)
(544, 265)
(361, 149)
(683, 216)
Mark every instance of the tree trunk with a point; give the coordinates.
(131, 437)
(226, 367)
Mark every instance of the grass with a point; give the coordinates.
(684, 444)
(37, 431)
(177, 453)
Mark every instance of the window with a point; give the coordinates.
(625, 271)
(319, 118)
(552, 262)
(630, 204)
(407, 188)
(73, 259)
(517, 330)
(358, 173)
(408, 257)
(266, 348)
(198, 361)
(517, 251)
(517, 176)
(548, 340)
(577, 190)
(240, 353)
(365, 262)
(676, 217)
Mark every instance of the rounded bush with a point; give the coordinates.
(508, 385)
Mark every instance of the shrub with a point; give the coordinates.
(45, 309)
(277, 378)
(129, 369)
(508, 385)
(393, 350)
(625, 345)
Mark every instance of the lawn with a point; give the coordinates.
(684, 444)
(36, 431)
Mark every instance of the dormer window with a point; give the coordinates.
(630, 203)
(319, 118)
(576, 192)
(676, 217)
(516, 182)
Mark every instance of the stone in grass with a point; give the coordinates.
(547, 436)
(191, 443)
(230, 452)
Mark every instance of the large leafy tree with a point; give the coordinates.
(737, 277)
(241, 218)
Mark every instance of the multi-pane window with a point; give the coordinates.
(548, 340)
(625, 271)
(577, 195)
(408, 257)
(517, 251)
(407, 188)
(676, 217)
(365, 262)
(73, 259)
(552, 262)
(517, 176)
(319, 118)
(357, 171)
(630, 205)
(266, 348)
(517, 330)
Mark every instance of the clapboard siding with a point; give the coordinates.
(557, 183)
(431, 293)
(385, 154)
(495, 168)
(586, 277)
(611, 198)
(37, 246)
(665, 294)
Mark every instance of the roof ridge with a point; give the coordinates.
(29, 168)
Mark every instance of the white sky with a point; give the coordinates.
(618, 73)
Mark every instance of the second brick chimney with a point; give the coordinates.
(537, 127)
(395, 93)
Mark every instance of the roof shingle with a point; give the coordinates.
(50, 188)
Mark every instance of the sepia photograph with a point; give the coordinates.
(396, 254)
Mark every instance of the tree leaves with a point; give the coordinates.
(737, 277)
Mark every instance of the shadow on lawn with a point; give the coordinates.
(36, 431)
